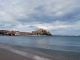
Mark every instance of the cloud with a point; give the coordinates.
(59, 17)
(53, 10)
(56, 27)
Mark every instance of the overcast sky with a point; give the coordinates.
(60, 17)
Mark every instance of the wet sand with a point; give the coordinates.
(7, 55)
(8, 52)
(59, 55)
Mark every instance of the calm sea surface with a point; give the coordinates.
(62, 43)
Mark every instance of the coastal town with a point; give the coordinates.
(38, 32)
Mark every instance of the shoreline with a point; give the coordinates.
(14, 52)
(59, 55)
(7, 55)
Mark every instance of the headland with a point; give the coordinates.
(38, 32)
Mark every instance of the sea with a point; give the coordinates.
(57, 43)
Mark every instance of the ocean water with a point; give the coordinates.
(62, 43)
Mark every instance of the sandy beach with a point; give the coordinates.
(8, 52)
(7, 55)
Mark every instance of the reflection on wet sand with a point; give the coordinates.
(22, 53)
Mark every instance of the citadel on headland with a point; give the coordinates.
(39, 32)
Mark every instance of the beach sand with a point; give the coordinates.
(59, 55)
(7, 55)
(8, 52)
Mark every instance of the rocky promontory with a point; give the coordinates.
(41, 32)
(38, 32)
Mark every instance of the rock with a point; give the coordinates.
(37, 32)
(41, 32)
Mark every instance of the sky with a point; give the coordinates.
(60, 17)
